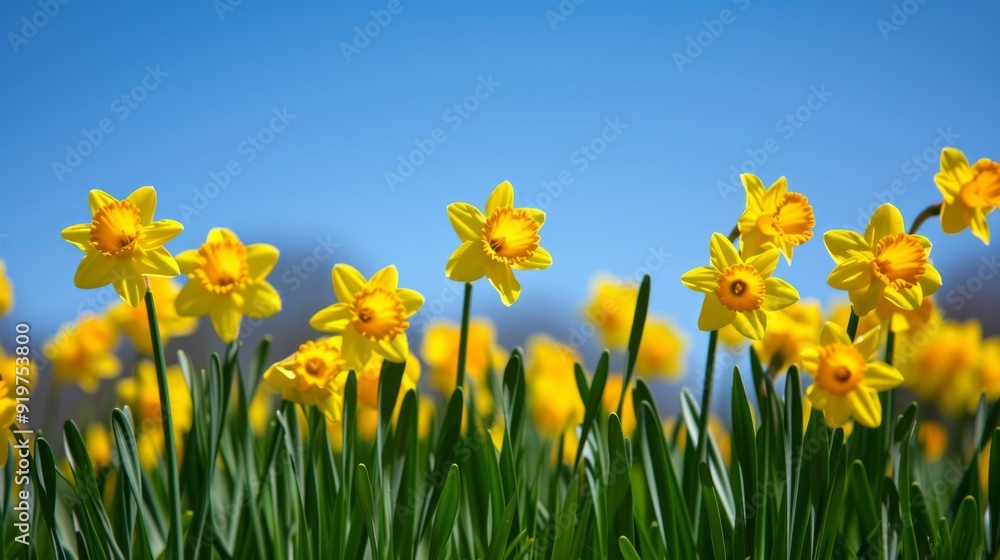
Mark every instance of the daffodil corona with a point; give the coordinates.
(497, 243)
(312, 376)
(970, 193)
(774, 218)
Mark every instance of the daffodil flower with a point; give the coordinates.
(737, 291)
(312, 376)
(497, 243)
(84, 352)
(885, 263)
(970, 193)
(134, 322)
(122, 244)
(371, 314)
(846, 381)
(612, 308)
(661, 350)
(227, 280)
(773, 218)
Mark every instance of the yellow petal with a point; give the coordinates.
(260, 299)
(193, 300)
(765, 262)
(99, 199)
(467, 220)
(810, 360)
(833, 333)
(954, 217)
(885, 221)
(261, 259)
(502, 278)
(226, 321)
(155, 262)
(844, 244)
(536, 214)
(387, 278)
(955, 166)
(159, 232)
(78, 235)
(95, 270)
(776, 192)
(979, 227)
(778, 294)
(867, 407)
(751, 324)
(704, 279)
(144, 199)
(355, 349)
(187, 261)
(867, 343)
(714, 315)
(131, 288)
(538, 260)
(219, 235)
(880, 376)
(930, 281)
(501, 197)
(755, 191)
(723, 253)
(837, 410)
(865, 300)
(468, 263)
(334, 318)
(395, 349)
(332, 407)
(851, 274)
(347, 281)
(908, 298)
(412, 300)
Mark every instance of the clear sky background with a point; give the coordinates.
(850, 98)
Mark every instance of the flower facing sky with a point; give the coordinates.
(739, 292)
(497, 243)
(846, 381)
(774, 218)
(84, 352)
(372, 315)
(122, 244)
(227, 280)
(313, 376)
(970, 193)
(885, 264)
(134, 323)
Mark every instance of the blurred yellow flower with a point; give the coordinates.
(8, 412)
(552, 395)
(261, 409)
(944, 369)
(909, 320)
(789, 331)
(840, 313)
(134, 322)
(661, 351)
(122, 244)
(367, 422)
(227, 280)
(807, 414)
(426, 411)
(933, 438)
(497, 243)
(440, 352)
(846, 381)
(98, 442)
(84, 352)
(313, 376)
(611, 310)
(886, 263)
(774, 218)
(371, 314)
(371, 372)
(6, 291)
(739, 292)
(970, 193)
(989, 370)
(732, 338)
(141, 393)
(613, 392)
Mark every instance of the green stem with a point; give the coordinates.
(929, 212)
(175, 547)
(852, 325)
(734, 234)
(703, 414)
(463, 342)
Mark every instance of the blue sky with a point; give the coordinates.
(627, 123)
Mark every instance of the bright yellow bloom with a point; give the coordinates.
(371, 314)
(134, 322)
(227, 280)
(371, 372)
(909, 320)
(885, 264)
(611, 309)
(122, 244)
(613, 392)
(944, 369)
(933, 437)
(790, 331)
(313, 376)
(729, 336)
(261, 410)
(552, 395)
(846, 380)
(739, 292)
(84, 352)
(661, 351)
(497, 243)
(807, 414)
(367, 423)
(99, 445)
(989, 370)
(6, 291)
(970, 193)
(774, 218)
(440, 352)
(141, 393)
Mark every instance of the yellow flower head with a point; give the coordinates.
(885, 264)
(989, 371)
(970, 193)
(494, 245)
(261, 410)
(372, 314)
(371, 372)
(774, 218)
(661, 351)
(933, 437)
(426, 410)
(84, 352)
(790, 331)
(846, 380)
(553, 399)
(613, 392)
(135, 324)
(227, 280)
(739, 292)
(99, 445)
(6, 291)
(612, 308)
(122, 244)
(944, 366)
(909, 320)
(440, 351)
(729, 336)
(312, 376)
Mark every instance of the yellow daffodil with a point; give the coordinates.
(933, 437)
(261, 410)
(497, 243)
(807, 414)
(313, 376)
(553, 399)
(790, 331)
(989, 369)
(774, 218)
(99, 445)
(440, 352)
(970, 193)
(846, 381)
(84, 352)
(426, 411)
(371, 372)
(944, 369)
(737, 291)
(227, 280)
(372, 315)
(909, 320)
(885, 264)
(661, 351)
(731, 338)
(141, 393)
(6, 291)
(612, 308)
(134, 322)
(840, 313)
(122, 244)
(613, 392)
